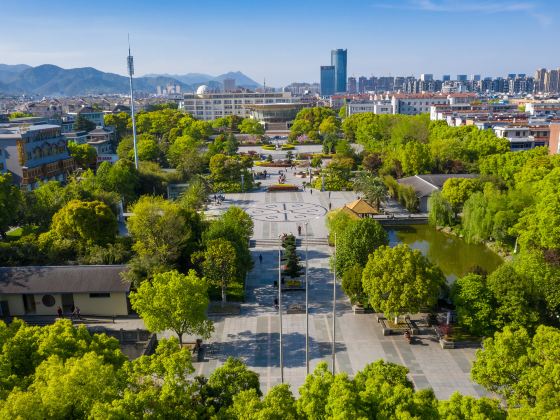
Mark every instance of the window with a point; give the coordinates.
(48, 300)
(99, 295)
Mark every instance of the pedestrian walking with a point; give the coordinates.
(59, 312)
(260, 258)
(311, 191)
(329, 194)
(299, 230)
(330, 205)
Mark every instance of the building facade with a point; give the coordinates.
(210, 106)
(96, 290)
(339, 61)
(36, 153)
(328, 80)
(416, 104)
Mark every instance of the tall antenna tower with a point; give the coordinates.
(130, 63)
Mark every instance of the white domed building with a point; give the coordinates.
(203, 90)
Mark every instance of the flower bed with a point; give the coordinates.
(283, 187)
(269, 147)
(274, 164)
(288, 147)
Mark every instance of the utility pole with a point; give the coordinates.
(334, 311)
(130, 63)
(280, 309)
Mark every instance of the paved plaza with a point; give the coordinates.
(253, 335)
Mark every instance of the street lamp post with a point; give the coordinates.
(280, 308)
(306, 300)
(242, 182)
(334, 311)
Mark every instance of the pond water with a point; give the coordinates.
(452, 254)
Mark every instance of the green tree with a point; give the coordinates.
(219, 265)
(475, 304)
(229, 380)
(176, 302)
(64, 389)
(19, 114)
(463, 407)
(440, 212)
(121, 122)
(314, 393)
(343, 401)
(372, 187)
(457, 190)
(520, 368)
(352, 284)
(415, 158)
(196, 194)
(515, 296)
(86, 223)
(358, 240)
(329, 125)
(148, 149)
(160, 230)
(120, 177)
(401, 280)
(155, 386)
(83, 124)
(10, 202)
(251, 126)
(84, 155)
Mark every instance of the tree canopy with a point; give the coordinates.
(400, 280)
(174, 301)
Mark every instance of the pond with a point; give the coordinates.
(452, 254)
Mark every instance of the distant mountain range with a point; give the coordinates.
(200, 78)
(50, 80)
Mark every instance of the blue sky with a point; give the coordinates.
(286, 40)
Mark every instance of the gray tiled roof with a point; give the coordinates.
(62, 279)
(424, 185)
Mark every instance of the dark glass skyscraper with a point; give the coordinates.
(327, 80)
(338, 60)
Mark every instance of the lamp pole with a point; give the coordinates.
(306, 301)
(334, 311)
(130, 65)
(280, 308)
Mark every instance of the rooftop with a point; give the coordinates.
(63, 279)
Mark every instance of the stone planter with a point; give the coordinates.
(446, 344)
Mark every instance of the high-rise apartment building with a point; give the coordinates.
(229, 85)
(461, 77)
(426, 77)
(540, 75)
(339, 62)
(446, 77)
(362, 83)
(328, 80)
(352, 88)
(551, 81)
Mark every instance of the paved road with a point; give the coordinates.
(254, 334)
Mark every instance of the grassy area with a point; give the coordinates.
(234, 293)
(17, 233)
(458, 334)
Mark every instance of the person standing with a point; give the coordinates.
(260, 258)
(299, 230)
(59, 312)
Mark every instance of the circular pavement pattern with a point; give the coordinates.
(286, 212)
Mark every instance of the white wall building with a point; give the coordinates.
(376, 107)
(415, 104)
(210, 106)
(519, 137)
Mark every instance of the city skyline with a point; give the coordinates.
(382, 38)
